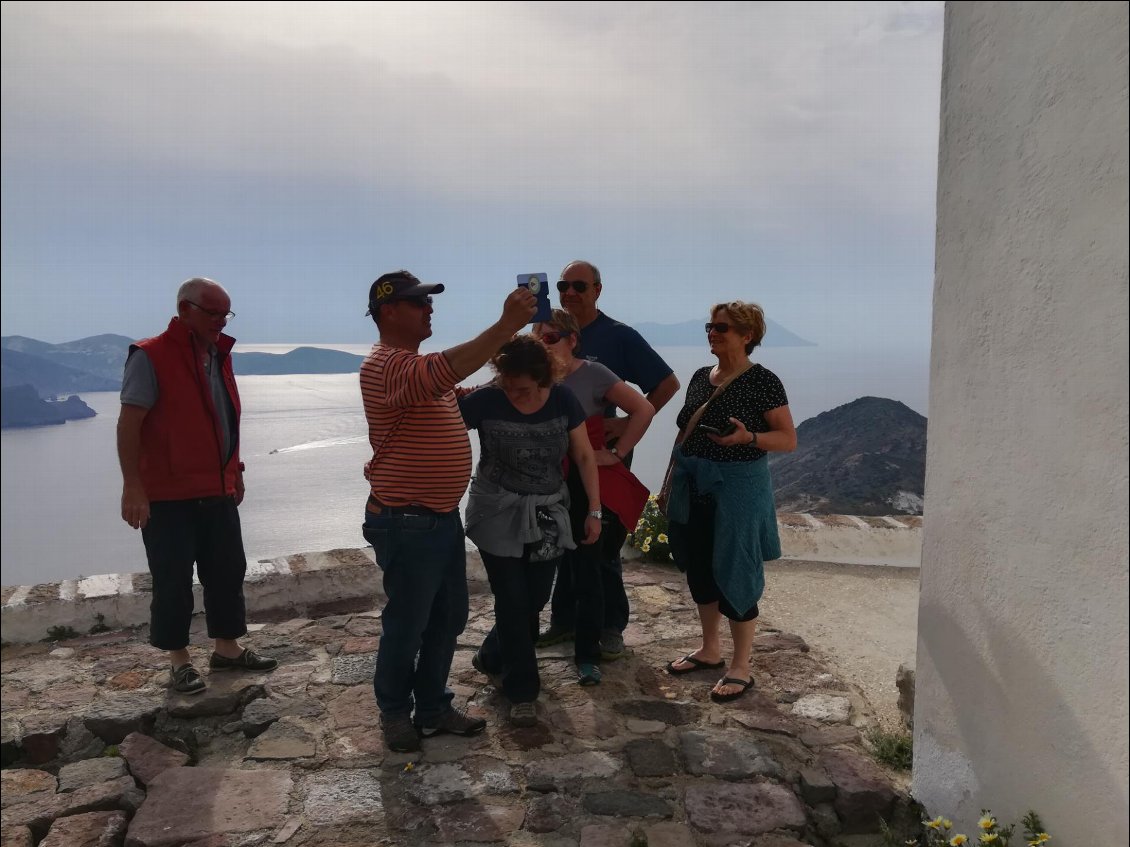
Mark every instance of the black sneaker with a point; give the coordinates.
(248, 660)
(186, 680)
(454, 722)
(555, 634)
(399, 734)
(611, 645)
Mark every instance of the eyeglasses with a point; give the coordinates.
(722, 327)
(420, 301)
(553, 337)
(212, 313)
(578, 285)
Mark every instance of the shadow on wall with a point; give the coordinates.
(1009, 685)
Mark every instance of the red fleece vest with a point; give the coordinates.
(181, 438)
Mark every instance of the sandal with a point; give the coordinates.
(746, 685)
(695, 665)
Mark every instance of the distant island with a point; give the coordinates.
(21, 406)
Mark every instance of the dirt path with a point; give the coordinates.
(863, 619)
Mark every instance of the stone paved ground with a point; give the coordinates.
(96, 751)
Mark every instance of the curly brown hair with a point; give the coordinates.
(525, 355)
(746, 317)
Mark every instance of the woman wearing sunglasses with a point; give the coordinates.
(517, 508)
(623, 496)
(722, 522)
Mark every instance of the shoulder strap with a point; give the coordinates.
(697, 416)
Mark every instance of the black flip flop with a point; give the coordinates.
(695, 665)
(746, 685)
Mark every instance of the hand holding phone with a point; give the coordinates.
(721, 432)
(538, 284)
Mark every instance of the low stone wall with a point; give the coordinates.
(306, 584)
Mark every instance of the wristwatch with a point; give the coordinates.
(596, 513)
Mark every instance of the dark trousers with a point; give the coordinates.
(423, 560)
(692, 545)
(609, 574)
(521, 589)
(205, 532)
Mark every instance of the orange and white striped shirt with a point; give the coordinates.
(421, 451)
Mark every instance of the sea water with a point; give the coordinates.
(304, 442)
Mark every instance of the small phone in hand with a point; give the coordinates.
(539, 287)
(723, 431)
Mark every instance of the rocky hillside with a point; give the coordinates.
(864, 458)
(22, 407)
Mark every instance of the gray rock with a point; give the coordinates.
(549, 813)
(93, 829)
(443, 783)
(477, 822)
(147, 757)
(343, 796)
(904, 682)
(672, 714)
(651, 757)
(747, 809)
(353, 669)
(815, 787)
(285, 740)
(826, 736)
(552, 773)
(725, 755)
(226, 693)
(90, 772)
(605, 835)
(863, 794)
(113, 718)
(627, 804)
(260, 714)
(37, 814)
(826, 708)
(79, 743)
(668, 834)
(16, 836)
(183, 805)
(825, 820)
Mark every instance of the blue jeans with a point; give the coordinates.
(424, 562)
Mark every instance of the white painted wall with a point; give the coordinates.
(1022, 644)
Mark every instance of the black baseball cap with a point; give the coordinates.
(396, 286)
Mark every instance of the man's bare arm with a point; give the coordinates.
(664, 392)
(135, 502)
(517, 311)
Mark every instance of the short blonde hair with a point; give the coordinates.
(563, 321)
(748, 317)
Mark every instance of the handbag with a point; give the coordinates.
(664, 496)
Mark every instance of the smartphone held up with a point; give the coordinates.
(539, 287)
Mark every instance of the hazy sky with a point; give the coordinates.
(778, 152)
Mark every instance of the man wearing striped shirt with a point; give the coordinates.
(419, 471)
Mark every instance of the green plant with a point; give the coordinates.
(939, 833)
(650, 536)
(60, 633)
(99, 624)
(894, 749)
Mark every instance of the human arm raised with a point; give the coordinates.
(135, 502)
(580, 451)
(468, 357)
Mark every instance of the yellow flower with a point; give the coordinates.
(1041, 838)
(989, 838)
(646, 546)
(987, 823)
(958, 840)
(947, 824)
(662, 538)
(409, 766)
(936, 823)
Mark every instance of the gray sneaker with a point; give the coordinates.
(454, 722)
(524, 714)
(399, 733)
(611, 645)
(186, 679)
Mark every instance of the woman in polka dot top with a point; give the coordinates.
(723, 525)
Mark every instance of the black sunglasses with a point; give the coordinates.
(578, 285)
(718, 327)
(418, 300)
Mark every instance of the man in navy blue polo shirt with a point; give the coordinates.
(625, 352)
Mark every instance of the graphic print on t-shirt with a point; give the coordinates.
(524, 457)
